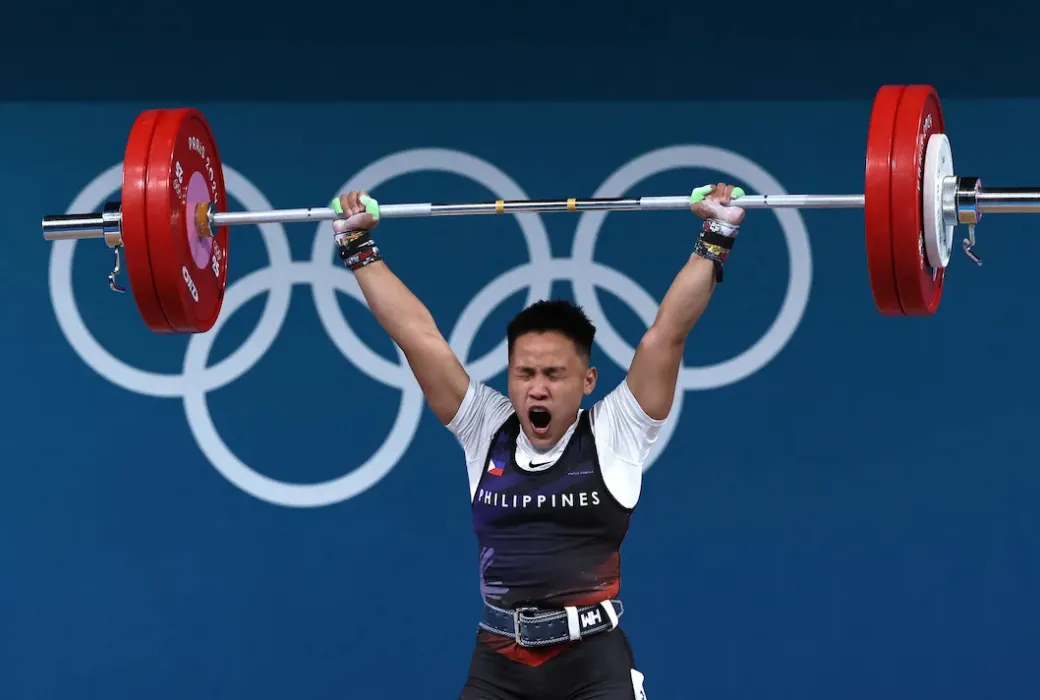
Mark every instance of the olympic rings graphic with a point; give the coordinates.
(197, 379)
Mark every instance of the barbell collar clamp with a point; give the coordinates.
(966, 201)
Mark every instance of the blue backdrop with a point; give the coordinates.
(268, 511)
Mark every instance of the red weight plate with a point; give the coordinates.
(134, 222)
(919, 116)
(877, 205)
(184, 171)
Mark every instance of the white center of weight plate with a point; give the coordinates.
(938, 165)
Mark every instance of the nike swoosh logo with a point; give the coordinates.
(535, 466)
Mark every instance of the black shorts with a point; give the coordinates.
(599, 667)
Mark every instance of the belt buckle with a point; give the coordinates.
(516, 624)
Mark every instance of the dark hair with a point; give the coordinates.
(557, 315)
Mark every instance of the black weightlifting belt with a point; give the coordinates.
(535, 627)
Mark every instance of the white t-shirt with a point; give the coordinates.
(623, 432)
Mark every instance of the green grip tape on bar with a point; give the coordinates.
(698, 194)
(371, 206)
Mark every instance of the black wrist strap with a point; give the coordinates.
(357, 249)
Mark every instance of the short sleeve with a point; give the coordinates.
(481, 414)
(624, 435)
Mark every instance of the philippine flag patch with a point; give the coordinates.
(494, 469)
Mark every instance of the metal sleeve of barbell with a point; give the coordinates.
(536, 206)
(1008, 200)
(70, 227)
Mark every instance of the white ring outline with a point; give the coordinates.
(145, 382)
(799, 280)
(277, 280)
(431, 160)
(200, 420)
(326, 280)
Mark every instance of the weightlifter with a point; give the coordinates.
(552, 485)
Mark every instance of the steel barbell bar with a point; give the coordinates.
(76, 226)
(965, 205)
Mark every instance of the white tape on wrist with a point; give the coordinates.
(722, 228)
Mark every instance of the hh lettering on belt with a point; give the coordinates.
(590, 618)
(582, 499)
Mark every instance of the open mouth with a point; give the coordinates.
(540, 418)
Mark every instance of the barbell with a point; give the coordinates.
(173, 221)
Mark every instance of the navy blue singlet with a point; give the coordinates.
(547, 538)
